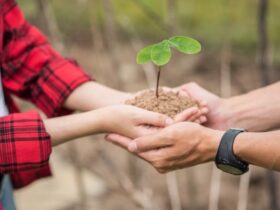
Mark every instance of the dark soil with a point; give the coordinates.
(168, 103)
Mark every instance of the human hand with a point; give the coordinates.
(131, 121)
(216, 116)
(177, 146)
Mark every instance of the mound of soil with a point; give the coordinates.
(168, 103)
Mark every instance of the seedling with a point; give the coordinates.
(160, 53)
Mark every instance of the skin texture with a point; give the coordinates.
(178, 146)
(186, 144)
(103, 116)
(257, 110)
(134, 122)
(93, 95)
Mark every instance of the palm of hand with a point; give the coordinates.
(216, 118)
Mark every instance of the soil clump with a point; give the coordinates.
(168, 103)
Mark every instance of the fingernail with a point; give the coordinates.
(132, 147)
(203, 119)
(168, 121)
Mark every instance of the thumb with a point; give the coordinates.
(147, 143)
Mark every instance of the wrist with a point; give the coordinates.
(240, 111)
(233, 110)
(226, 115)
(212, 142)
(241, 144)
(100, 120)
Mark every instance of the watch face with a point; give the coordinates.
(230, 169)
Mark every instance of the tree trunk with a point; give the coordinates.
(265, 80)
(45, 11)
(153, 16)
(263, 42)
(111, 41)
(171, 16)
(48, 17)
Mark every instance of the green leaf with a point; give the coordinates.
(185, 44)
(144, 55)
(161, 53)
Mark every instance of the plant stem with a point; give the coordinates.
(158, 76)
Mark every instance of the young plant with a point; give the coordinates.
(160, 53)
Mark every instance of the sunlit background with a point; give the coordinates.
(104, 37)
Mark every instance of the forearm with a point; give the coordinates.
(63, 129)
(261, 149)
(93, 95)
(258, 110)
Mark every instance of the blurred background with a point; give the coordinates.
(241, 52)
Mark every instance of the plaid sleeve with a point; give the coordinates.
(33, 70)
(24, 143)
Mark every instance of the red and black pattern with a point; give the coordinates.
(33, 70)
(24, 143)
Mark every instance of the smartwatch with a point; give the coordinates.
(225, 159)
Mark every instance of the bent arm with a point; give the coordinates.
(261, 149)
(33, 70)
(93, 95)
(258, 110)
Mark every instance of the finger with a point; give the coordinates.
(197, 121)
(203, 119)
(202, 103)
(159, 159)
(199, 115)
(195, 117)
(155, 119)
(186, 114)
(204, 110)
(150, 142)
(149, 156)
(182, 92)
(118, 140)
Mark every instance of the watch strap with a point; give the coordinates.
(225, 154)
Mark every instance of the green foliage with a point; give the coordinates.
(160, 54)
(144, 55)
(185, 44)
(236, 26)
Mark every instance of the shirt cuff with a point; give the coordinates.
(60, 78)
(24, 143)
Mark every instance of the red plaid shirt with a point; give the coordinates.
(31, 69)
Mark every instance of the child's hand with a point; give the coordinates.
(131, 121)
(193, 114)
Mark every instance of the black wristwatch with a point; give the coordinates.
(225, 158)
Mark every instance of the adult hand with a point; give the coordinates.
(201, 110)
(217, 114)
(177, 146)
